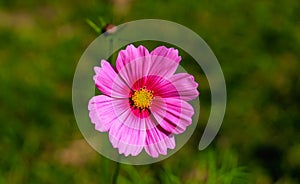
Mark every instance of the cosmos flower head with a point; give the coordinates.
(144, 103)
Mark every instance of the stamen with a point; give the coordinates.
(142, 98)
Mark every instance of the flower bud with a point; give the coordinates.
(109, 29)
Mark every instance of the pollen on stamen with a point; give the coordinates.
(142, 98)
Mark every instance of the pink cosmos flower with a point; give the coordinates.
(144, 103)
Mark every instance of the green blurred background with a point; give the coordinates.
(257, 44)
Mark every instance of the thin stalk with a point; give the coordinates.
(116, 174)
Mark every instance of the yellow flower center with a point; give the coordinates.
(142, 98)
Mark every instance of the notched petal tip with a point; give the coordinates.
(91, 104)
(195, 84)
(104, 63)
(174, 51)
(170, 53)
(94, 116)
(130, 54)
(155, 152)
(129, 150)
(129, 46)
(97, 69)
(128, 137)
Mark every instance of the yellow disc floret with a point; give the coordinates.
(142, 98)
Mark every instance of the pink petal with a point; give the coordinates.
(128, 134)
(136, 63)
(173, 115)
(135, 70)
(130, 54)
(159, 85)
(108, 82)
(170, 53)
(157, 141)
(105, 110)
(185, 86)
(164, 61)
(180, 86)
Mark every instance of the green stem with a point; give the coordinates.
(116, 174)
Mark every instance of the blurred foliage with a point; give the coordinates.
(257, 44)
